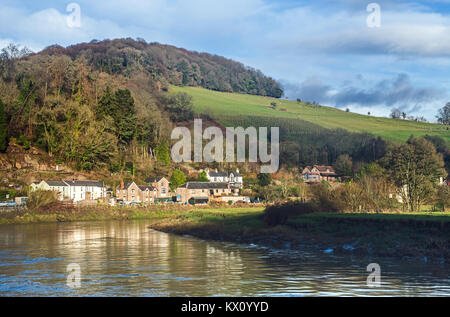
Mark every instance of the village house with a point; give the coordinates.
(162, 188)
(133, 193)
(75, 191)
(202, 192)
(60, 187)
(318, 173)
(233, 178)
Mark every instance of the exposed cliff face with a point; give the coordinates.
(33, 159)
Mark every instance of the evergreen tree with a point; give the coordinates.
(162, 153)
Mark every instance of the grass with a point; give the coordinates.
(220, 104)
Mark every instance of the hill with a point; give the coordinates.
(169, 64)
(104, 106)
(222, 105)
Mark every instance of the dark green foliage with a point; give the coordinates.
(3, 128)
(264, 179)
(303, 143)
(120, 107)
(179, 106)
(162, 153)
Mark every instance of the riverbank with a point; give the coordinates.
(419, 236)
(99, 213)
(422, 236)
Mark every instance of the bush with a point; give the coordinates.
(279, 214)
(41, 198)
(324, 199)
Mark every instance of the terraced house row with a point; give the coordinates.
(222, 186)
(73, 190)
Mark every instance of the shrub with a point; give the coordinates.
(279, 214)
(41, 198)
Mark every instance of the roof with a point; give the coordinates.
(235, 173)
(321, 168)
(56, 183)
(85, 183)
(218, 174)
(324, 168)
(144, 188)
(205, 185)
(223, 174)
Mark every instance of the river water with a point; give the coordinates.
(125, 258)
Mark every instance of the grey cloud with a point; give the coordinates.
(398, 92)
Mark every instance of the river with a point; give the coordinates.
(126, 258)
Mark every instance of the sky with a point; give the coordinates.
(334, 52)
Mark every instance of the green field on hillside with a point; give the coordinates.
(219, 104)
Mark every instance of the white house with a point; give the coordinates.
(233, 178)
(73, 190)
(86, 190)
(60, 187)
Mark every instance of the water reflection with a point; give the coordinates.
(128, 259)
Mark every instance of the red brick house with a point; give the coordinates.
(131, 192)
(318, 173)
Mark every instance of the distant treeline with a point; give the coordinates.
(304, 143)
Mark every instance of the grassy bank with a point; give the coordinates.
(422, 236)
(99, 213)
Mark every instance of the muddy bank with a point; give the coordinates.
(421, 241)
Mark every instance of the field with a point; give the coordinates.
(220, 105)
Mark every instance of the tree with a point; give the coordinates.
(264, 179)
(415, 168)
(3, 128)
(344, 165)
(162, 153)
(444, 115)
(202, 177)
(120, 107)
(177, 179)
(395, 113)
(179, 107)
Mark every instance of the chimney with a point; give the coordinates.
(237, 170)
(122, 185)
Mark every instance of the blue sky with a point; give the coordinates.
(319, 50)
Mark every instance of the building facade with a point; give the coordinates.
(318, 173)
(75, 191)
(131, 192)
(233, 178)
(202, 191)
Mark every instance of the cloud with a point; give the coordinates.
(379, 97)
